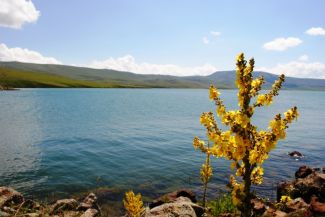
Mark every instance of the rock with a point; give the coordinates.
(271, 212)
(70, 213)
(4, 214)
(32, 214)
(284, 188)
(258, 206)
(308, 183)
(64, 204)
(295, 154)
(90, 213)
(316, 206)
(170, 197)
(303, 172)
(9, 195)
(88, 202)
(300, 213)
(8, 209)
(30, 204)
(226, 215)
(297, 204)
(182, 206)
(313, 184)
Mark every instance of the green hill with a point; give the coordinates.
(23, 75)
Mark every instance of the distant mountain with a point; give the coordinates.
(20, 75)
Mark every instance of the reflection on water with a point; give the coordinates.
(19, 130)
(66, 141)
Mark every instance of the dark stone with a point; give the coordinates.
(295, 154)
(314, 184)
(170, 197)
(303, 172)
(308, 182)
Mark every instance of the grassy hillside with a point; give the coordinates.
(19, 75)
(18, 78)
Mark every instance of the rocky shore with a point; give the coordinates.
(305, 196)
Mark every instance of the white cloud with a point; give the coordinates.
(303, 58)
(315, 31)
(14, 13)
(205, 40)
(128, 63)
(298, 68)
(281, 44)
(216, 34)
(24, 55)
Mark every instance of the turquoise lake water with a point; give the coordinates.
(67, 141)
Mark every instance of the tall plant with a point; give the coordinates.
(242, 143)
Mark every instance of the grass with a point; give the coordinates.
(222, 204)
(23, 79)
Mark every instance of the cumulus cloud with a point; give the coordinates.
(205, 40)
(128, 63)
(298, 68)
(24, 55)
(216, 34)
(315, 31)
(14, 13)
(281, 44)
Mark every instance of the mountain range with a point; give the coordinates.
(30, 75)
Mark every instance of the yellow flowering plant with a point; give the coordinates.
(242, 143)
(133, 204)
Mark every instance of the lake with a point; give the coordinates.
(60, 142)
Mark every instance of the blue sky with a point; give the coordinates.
(166, 37)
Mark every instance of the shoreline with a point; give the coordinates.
(92, 203)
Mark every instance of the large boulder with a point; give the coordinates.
(181, 206)
(10, 196)
(313, 184)
(308, 182)
(170, 197)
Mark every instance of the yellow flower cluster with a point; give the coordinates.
(206, 172)
(246, 147)
(237, 191)
(285, 199)
(199, 144)
(213, 92)
(257, 175)
(264, 99)
(256, 86)
(133, 204)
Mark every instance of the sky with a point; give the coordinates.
(174, 37)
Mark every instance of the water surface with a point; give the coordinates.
(64, 141)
